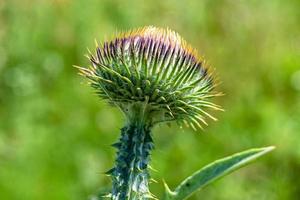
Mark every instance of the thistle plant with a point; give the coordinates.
(153, 76)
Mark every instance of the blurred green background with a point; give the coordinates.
(55, 133)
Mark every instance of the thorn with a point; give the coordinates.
(162, 99)
(107, 195)
(151, 168)
(182, 109)
(89, 51)
(96, 43)
(109, 172)
(168, 191)
(150, 196)
(193, 127)
(171, 114)
(81, 68)
(87, 56)
(153, 180)
(186, 123)
(116, 145)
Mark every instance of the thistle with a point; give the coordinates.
(153, 76)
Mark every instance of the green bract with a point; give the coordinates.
(156, 70)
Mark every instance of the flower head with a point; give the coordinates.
(155, 71)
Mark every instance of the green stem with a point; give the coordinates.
(130, 175)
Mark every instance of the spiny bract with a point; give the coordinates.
(156, 68)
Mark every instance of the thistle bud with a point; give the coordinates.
(155, 70)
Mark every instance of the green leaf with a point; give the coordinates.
(214, 171)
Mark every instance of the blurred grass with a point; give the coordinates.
(55, 134)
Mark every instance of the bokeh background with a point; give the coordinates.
(55, 133)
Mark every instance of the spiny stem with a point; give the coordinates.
(130, 175)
